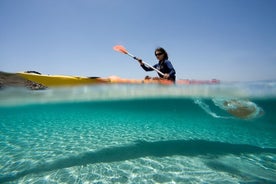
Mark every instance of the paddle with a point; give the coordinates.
(120, 48)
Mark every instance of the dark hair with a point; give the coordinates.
(160, 49)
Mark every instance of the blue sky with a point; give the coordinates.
(230, 40)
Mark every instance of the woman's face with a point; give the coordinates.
(159, 55)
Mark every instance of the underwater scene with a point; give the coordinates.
(147, 133)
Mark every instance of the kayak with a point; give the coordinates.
(64, 80)
(60, 80)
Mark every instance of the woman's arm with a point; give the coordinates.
(170, 67)
(144, 66)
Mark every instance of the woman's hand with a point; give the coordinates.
(139, 60)
(166, 76)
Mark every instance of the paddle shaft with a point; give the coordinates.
(145, 63)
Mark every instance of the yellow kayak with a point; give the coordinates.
(64, 80)
(61, 80)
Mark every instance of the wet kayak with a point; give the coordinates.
(64, 80)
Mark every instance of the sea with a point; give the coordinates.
(147, 133)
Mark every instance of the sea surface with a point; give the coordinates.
(223, 133)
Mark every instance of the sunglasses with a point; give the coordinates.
(158, 54)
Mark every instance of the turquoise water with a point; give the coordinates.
(139, 134)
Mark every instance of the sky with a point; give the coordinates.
(229, 40)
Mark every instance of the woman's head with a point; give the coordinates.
(161, 53)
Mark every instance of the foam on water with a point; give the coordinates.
(138, 134)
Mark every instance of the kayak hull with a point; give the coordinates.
(63, 80)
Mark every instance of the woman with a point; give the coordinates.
(164, 65)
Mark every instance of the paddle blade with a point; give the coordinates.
(120, 48)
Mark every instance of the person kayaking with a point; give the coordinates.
(164, 65)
